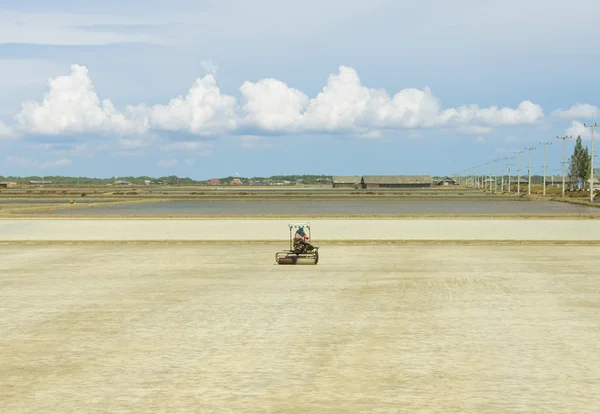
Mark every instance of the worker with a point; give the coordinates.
(301, 239)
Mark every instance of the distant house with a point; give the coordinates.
(446, 181)
(214, 181)
(346, 181)
(8, 185)
(523, 180)
(396, 181)
(236, 181)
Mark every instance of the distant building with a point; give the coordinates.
(345, 181)
(523, 180)
(39, 182)
(236, 181)
(446, 181)
(8, 185)
(396, 181)
(214, 181)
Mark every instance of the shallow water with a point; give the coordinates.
(336, 207)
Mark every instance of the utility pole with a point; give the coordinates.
(482, 179)
(529, 169)
(519, 171)
(594, 126)
(509, 165)
(493, 176)
(565, 138)
(544, 144)
(502, 185)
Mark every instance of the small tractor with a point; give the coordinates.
(300, 251)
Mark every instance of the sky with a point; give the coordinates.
(209, 88)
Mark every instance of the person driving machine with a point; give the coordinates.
(301, 240)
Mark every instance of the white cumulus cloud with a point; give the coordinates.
(579, 129)
(272, 105)
(204, 110)
(577, 111)
(526, 113)
(269, 105)
(72, 105)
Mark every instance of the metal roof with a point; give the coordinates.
(397, 179)
(346, 179)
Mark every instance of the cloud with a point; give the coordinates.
(69, 28)
(26, 162)
(203, 111)
(72, 106)
(474, 129)
(480, 140)
(197, 147)
(577, 111)
(209, 66)
(167, 163)
(268, 106)
(526, 113)
(60, 150)
(133, 143)
(579, 129)
(5, 131)
(56, 163)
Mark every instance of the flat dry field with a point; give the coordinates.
(182, 329)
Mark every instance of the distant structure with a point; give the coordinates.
(382, 181)
(347, 181)
(446, 181)
(8, 184)
(396, 181)
(39, 182)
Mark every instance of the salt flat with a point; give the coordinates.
(180, 329)
(165, 230)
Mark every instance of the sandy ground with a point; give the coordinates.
(240, 229)
(183, 329)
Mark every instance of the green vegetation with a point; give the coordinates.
(580, 163)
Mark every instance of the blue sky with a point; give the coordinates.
(214, 88)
